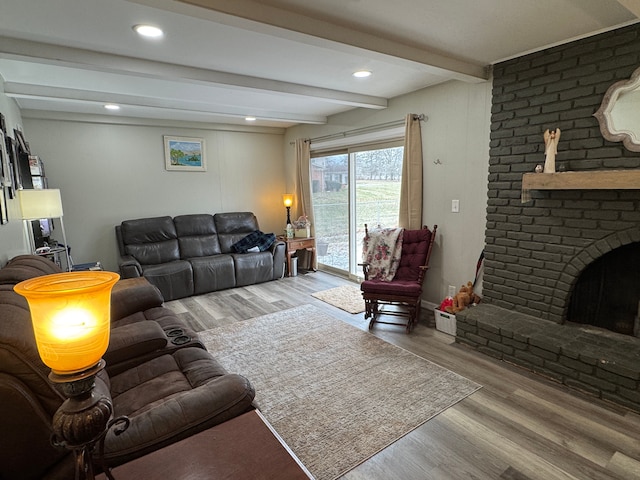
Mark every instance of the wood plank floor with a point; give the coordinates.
(517, 427)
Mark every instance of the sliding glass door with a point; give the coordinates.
(352, 188)
(330, 191)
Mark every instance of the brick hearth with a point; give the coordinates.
(598, 362)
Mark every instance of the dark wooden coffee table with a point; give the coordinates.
(245, 447)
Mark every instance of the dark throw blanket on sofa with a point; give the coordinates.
(255, 242)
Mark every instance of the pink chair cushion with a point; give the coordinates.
(410, 288)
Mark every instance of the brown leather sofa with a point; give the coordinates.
(193, 254)
(168, 390)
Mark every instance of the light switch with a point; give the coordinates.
(455, 206)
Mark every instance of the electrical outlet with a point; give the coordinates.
(452, 290)
(455, 206)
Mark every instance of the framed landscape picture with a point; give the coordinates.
(186, 154)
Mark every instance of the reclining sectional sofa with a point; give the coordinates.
(158, 374)
(194, 254)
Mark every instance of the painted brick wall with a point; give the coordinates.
(536, 250)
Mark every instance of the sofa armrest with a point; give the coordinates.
(134, 340)
(26, 428)
(278, 250)
(275, 246)
(129, 267)
(131, 295)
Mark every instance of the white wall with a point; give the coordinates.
(457, 134)
(108, 173)
(13, 239)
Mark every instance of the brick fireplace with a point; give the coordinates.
(537, 250)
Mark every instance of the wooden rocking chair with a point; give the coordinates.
(405, 290)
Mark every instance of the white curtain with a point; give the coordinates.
(410, 215)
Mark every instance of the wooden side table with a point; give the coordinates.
(245, 447)
(295, 244)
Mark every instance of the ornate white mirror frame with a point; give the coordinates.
(619, 114)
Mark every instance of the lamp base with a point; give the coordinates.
(83, 418)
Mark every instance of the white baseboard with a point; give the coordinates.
(428, 305)
(428, 314)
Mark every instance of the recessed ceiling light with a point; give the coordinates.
(250, 118)
(112, 106)
(362, 74)
(148, 31)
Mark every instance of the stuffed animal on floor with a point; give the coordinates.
(463, 299)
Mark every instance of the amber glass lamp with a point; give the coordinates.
(287, 199)
(70, 313)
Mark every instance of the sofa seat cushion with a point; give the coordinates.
(253, 267)
(173, 279)
(212, 273)
(162, 379)
(171, 397)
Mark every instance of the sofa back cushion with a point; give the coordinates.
(232, 227)
(151, 240)
(24, 267)
(197, 235)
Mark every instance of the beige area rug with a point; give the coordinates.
(336, 394)
(347, 297)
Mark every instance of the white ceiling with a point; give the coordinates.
(284, 61)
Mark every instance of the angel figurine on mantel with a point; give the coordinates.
(551, 139)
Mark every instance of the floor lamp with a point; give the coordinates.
(70, 313)
(42, 203)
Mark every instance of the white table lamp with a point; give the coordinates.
(37, 204)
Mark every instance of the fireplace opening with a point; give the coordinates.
(607, 292)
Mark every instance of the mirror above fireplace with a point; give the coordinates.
(619, 114)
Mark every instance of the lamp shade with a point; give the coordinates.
(287, 199)
(70, 313)
(36, 204)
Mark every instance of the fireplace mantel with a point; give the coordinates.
(587, 180)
